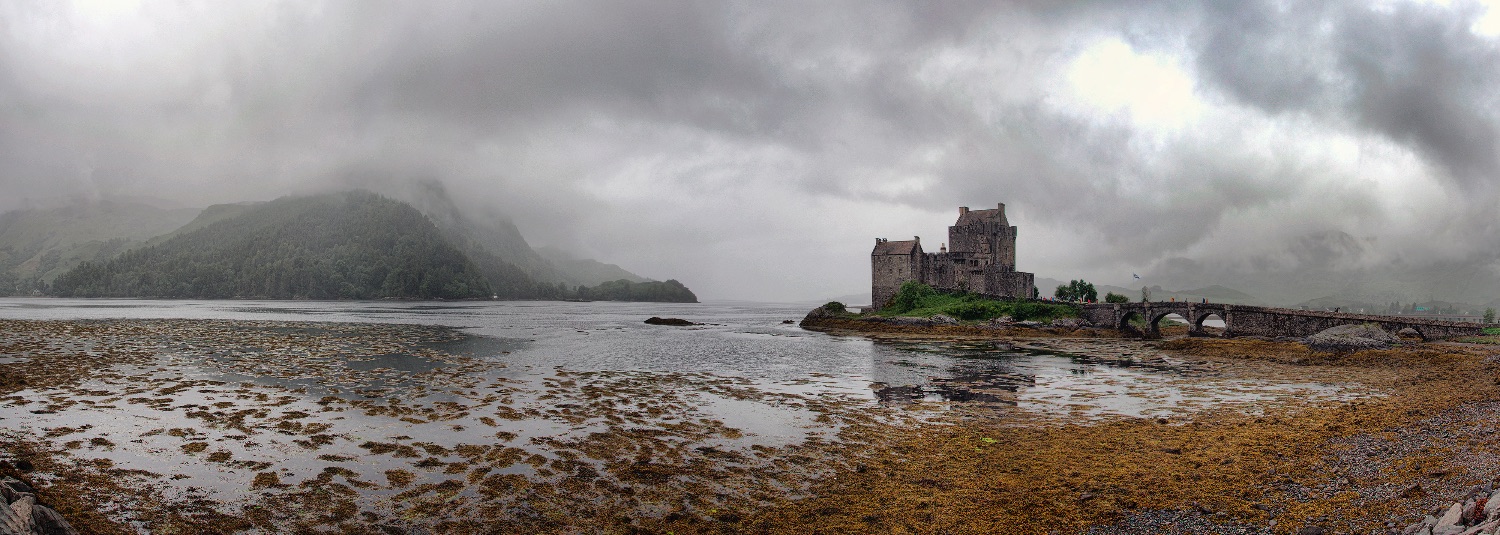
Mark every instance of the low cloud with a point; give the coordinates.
(753, 150)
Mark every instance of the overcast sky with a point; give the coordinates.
(755, 150)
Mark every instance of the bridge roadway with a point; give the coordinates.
(1267, 321)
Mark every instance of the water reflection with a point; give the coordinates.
(1100, 379)
(533, 339)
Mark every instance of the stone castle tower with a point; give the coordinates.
(981, 259)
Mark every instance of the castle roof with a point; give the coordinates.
(970, 217)
(897, 247)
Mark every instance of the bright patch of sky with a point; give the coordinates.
(1153, 90)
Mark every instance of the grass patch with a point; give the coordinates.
(921, 300)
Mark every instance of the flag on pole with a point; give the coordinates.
(1134, 275)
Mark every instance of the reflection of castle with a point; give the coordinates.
(982, 260)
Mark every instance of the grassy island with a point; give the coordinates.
(915, 299)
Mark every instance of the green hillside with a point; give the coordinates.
(586, 271)
(670, 291)
(354, 245)
(37, 245)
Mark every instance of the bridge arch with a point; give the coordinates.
(1397, 331)
(1265, 321)
(1161, 315)
(1204, 315)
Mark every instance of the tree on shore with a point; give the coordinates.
(1076, 290)
(1145, 294)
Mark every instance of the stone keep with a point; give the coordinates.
(981, 259)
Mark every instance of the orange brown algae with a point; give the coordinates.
(627, 452)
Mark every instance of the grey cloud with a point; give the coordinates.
(648, 133)
(1412, 72)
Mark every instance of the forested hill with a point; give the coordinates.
(351, 245)
(38, 244)
(354, 245)
(670, 291)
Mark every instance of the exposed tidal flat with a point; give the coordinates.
(148, 416)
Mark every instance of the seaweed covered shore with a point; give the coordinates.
(128, 426)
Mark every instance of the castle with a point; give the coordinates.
(980, 258)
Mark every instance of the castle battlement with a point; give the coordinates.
(980, 257)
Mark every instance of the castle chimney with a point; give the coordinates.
(916, 238)
(943, 249)
(1002, 208)
(963, 210)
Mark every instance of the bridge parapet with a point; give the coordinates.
(1267, 321)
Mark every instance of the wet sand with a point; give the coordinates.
(194, 426)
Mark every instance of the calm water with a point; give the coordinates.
(738, 339)
(546, 369)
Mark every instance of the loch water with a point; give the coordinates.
(757, 341)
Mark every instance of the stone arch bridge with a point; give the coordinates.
(1266, 321)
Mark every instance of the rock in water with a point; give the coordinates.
(653, 320)
(1352, 337)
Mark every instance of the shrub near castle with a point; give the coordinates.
(920, 300)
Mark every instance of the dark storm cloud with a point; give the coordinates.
(1412, 72)
(691, 139)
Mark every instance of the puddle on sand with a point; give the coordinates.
(1101, 379)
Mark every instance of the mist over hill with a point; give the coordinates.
(355, 245)
(339, 245)
(585, 271)
(38, 244)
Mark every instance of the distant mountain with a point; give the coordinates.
(1222, 295)
(1343, 304)
(853, 299)
(500, 250)
(669, 291)
(491, 239)
(37, 245)
(354, 245)
(1213, 294)
(347, 245)
(585, 271)
(1342, 267)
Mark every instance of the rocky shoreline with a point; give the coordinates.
(1424, 462)
(21, 514)
(1418, 434)
(823, 319)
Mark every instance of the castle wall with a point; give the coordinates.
(1010, 284)
(981, 258)
(990, 243)
(888, 272)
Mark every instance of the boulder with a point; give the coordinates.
(1352, 337)
(942, 319)
(905, 320)
(1003, 321)
(653, 320)
(827, 311)
(20, 514)
(1070, 323)
(1450, 523)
